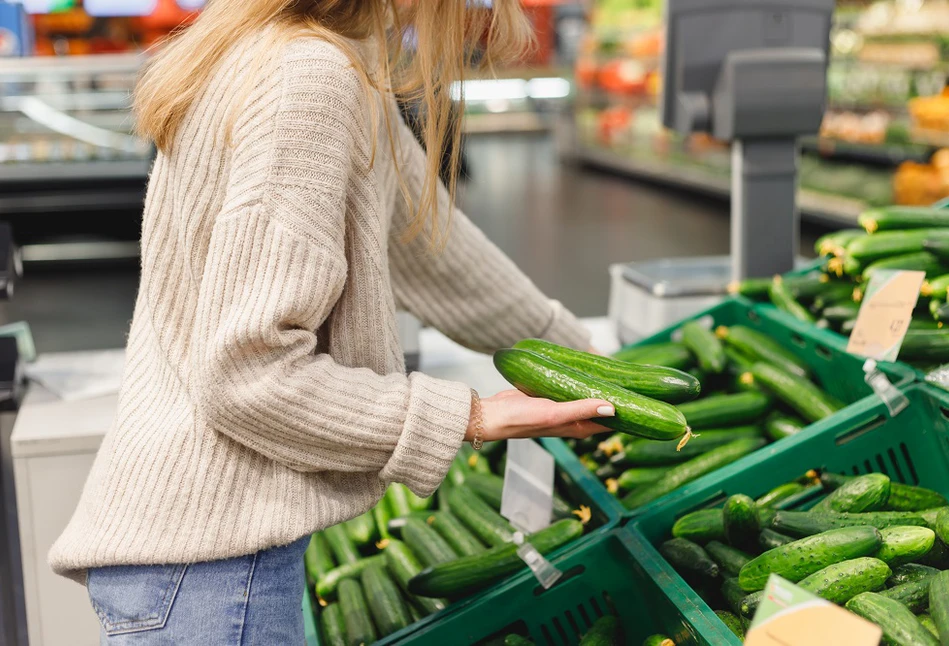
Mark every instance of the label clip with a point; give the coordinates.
(894, 400)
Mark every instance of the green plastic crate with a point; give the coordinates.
(572, 478)
(597, 576)
(912, 448)
(840, 373)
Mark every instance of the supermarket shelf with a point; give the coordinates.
(875, 154)
(817, 207)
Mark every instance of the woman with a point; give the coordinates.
(288, 213)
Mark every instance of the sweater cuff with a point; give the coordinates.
(565, 329)
(435, 425)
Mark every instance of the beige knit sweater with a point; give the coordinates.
(264, 394)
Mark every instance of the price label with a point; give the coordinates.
(790, 616)
(527, 499)
(885, 314)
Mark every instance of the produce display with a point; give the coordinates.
(875, 546)
(409, 557)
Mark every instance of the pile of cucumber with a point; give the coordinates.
(877, 547)
(734, 389)
(897, 237)
(410, 557)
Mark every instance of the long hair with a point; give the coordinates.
(447, 35)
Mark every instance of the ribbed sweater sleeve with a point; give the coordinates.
(276, 266)
(469, 290)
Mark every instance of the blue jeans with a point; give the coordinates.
(248, 600)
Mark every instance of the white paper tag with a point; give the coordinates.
(527, 499)
(885, 313)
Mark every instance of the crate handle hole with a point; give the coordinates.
(863, 429)
(798, 340)
(753, 316)
(944, 411)
(824, 353)
(572, 573)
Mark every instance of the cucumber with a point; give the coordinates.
(427, 544)
(903, 217)
(925, 345)
(798, 560)
(658, 382)
(797, 392)
(779, 494)
(929, 624)
(733, 594)
(942, 525)
(478, 516)
(936, 288)
(317, 559)
(725, 410)
(607, 471)
(404, 566)
(939, 605)
(938, 556)
(753, 288)
(738, 362)
(635, 414)
(931, 516)
(359, 627)
(910, 573)
(842, 581)
(381, 514)
(806, 523)
(761, 347)
(389, 612)
(729, 560)
(740, 515)
(396, 525)
(731, 622)
(361, 529)
(471, 573)
(692, 470)
(938, 247)
(517, 640)
(807, 287)
(328, 584)
(658, 640)
(892, 243)
(940, 312)
(671, 355)
(332, 625)
(462, 541)
(701, 526)
(397, 495)
(784, 300)
(769, 539)
(344, 551)
(457, 472)
(490, 487)
(707, 348)
(900, 626)
(903, 545)
(835, 242)
(637, 476)
(605, 631)
(864, 493)
(417, 503)
(414, 612)
(477, 463)
(913, 595)
(687, 557)
(836, 293)
(903, 497)
(919, 261)
(841, 312)
(648, 453)
(750, 603)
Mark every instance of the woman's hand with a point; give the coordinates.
(512, 414)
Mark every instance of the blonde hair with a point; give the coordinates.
(448, 34)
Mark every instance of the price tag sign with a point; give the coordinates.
(885, 314)
(790, 616)
(527, 499)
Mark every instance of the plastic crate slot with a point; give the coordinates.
(596, 607)
(565, 576)
(545, 631)
(824, 352)
(897, 471)
(853, 433)
(909, 464)
(882, 464)
(868, 466)
(753, 316)
(798, 340)
(582, 611)
(944, 411)
(573, 623)
(564, 639)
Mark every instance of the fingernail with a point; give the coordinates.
(606, 411)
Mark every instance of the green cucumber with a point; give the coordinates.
(740, 514)
(779, 494)
(359, 627)
(733, 594)
(910, 573)
(892, 243)
(489, 487)
(903, 497)
(342, 546)
(919, 261)
(478, 516)
(864, 493)
(914, 595)
(414, 612)
(658, 640)
(836, 293)
(648, 453)
(427, 544)
(396, 525)
(750, 603)
(938, 556)
(476, 461)
(841, 312)
(925, 345)
(931, 516)
(333, 625)
(638, 476)
(730, 560)
(328, 584)
(797, 392)
(635, 414)
(381, 514)
(417, 503)
(738, 362)
(471, 573)
(940, 311)
(900, 626)
(835, 242)
(397, 495)
(671, 355)
(761, 347)
(784, 300)
(769, 539)
(687, 557)
(317, 559)
(517, 640)
(753, 288)
(942, 525)
(939, 605)
(462, 541)
(779, 426)
(707, 348)
(607, 471)
(722, 410)
(457, 472)
(798, 560)
(361, 529)
(605, 631)
(903, 545)
(936, 288)
(903, 217)
(842, 581)
(929, 624)
(404, 565)
(938, 247)
(658, 382)
(807, 287)
(731, 622)
(806, 523)
(701, 526)
(692, 470)
(388, 611)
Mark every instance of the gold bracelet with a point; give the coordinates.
(478, 441)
